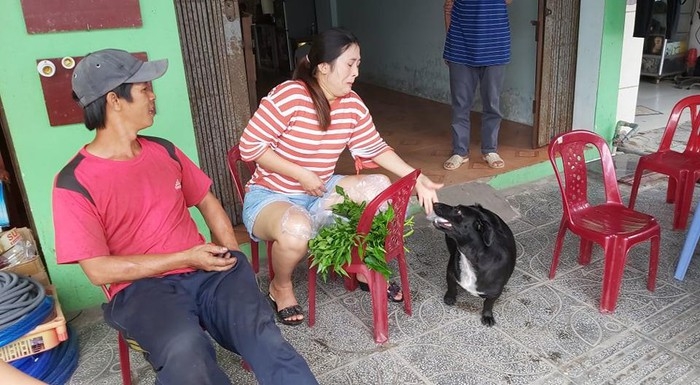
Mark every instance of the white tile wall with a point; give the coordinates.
(629, 69)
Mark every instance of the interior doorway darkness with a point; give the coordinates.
(17, 206)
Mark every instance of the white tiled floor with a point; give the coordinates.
(661, 97)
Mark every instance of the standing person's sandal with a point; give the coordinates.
(493, 160)
(454, 162)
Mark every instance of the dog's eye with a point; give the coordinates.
(478, 225)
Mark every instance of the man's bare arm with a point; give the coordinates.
(448, 13)
(118, 268)
(218, 222)
(108, 269)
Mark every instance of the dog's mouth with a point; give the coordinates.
(442, 223)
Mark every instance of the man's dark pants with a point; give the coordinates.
(168, 317)
(463, 83)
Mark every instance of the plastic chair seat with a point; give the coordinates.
(682, 168)
(611, 219)
(610, 224)
(398, 195)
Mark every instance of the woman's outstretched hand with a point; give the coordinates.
(427, 192)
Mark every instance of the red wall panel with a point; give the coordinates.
(60, 106)
(42, 16)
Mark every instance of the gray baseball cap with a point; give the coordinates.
(102, 71)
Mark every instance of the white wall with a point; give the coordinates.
(590, 36)
(630, 67)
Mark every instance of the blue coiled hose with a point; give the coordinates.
(18, 296)
(23, 306)
(53, 366)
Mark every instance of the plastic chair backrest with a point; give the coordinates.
(574, 187)
(691, 103)
(234, 159)
(398, 195)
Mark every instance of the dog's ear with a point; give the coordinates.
(486, 232)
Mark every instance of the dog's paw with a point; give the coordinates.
(449, 300)
(488, 320)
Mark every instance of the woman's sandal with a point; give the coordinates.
(287, 312)
(392, 291)
(454, 162)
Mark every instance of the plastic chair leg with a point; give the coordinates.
(584, 252)
(613, 269)
(672, 190)
(684, 198)
(312, 295)
(405, 286)
(557, 248)
(350, 282)
(635, 186)
(380, 316)
(270, 270)
(255, 256)
(124, 361)
(691, 241)
(653, 262)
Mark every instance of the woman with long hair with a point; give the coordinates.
(296, 137)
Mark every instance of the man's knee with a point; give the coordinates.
(190, 355)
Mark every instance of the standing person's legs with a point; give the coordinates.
(237, 316)
(491, 86)
(463, 83)
(161, 317)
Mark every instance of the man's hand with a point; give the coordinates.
(210, 257)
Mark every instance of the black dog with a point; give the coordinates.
(482, 253)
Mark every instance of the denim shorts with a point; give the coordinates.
(257, 197)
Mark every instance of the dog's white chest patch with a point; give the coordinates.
(467, 277)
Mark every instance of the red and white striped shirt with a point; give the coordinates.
(286, 122)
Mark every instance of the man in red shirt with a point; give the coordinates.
(120, 210)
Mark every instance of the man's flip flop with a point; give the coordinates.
(391, 291)
(287, 312)
(493, 160)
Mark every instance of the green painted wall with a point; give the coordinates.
(42, 150)
(609, 75)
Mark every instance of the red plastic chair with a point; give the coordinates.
(682, 168)
(234, 159)
(398, 195)
(123, 346)
(611, 224)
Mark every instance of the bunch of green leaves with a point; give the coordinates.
(331, 247)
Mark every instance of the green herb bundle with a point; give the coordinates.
(331, 247)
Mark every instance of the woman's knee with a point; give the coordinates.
(295, 225)
(364, 188)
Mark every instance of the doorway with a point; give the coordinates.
(15, 200)
(557, 44)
